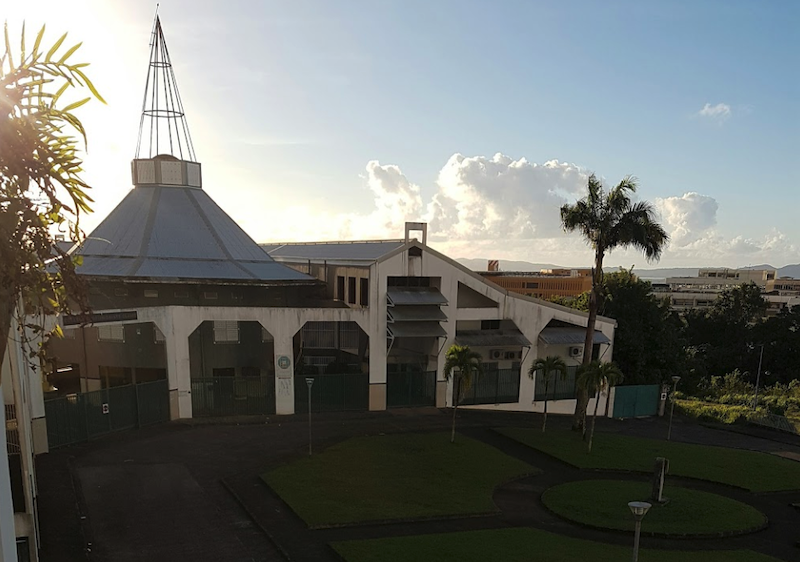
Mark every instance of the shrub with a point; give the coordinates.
(722, 413)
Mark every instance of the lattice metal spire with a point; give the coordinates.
(163, 128)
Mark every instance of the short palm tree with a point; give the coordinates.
(610, 220)
(549, 366)
(596, 377)
(465, 367)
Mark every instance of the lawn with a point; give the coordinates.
(519, 545)
(757, 472)
(395, 477)
(604, 503)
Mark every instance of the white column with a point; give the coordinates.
(176, 332)
(8, 540)
(284, 371)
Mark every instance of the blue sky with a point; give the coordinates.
(319, 120)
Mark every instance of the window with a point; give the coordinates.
(115, 333)
(490, 324)
(158, 335)
(121, 292)
(226, 331)
(364, 291)
(151, 293)
(531, 285)
(414, 252)
(181, 294)
(210, 295)
(236, 295)
(351, 290)
(408, 281)
(339, 288)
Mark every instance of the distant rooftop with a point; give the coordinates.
(343, 250)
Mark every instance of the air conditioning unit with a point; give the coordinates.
(575, 351)
(512, 355)
(496, 354)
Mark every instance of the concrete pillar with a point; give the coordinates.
(284, 370)
(176, 333)
(377, 370)
(527, 385)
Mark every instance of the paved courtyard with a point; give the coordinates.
(190, 491)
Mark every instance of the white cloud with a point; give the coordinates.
(687, 217)
(719, 112)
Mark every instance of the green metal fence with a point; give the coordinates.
(558, 389)
(494, 387)
(636, 401)
(233, 396)
(411, 389)
(80, 417)
(332, 392)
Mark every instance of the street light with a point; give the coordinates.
(675, 380)
(639, 510)
(758, 376)
(309, 382)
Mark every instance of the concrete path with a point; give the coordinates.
(190, 491)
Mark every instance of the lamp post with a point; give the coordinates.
(758, 376)
(639, 510)
(309, 382)
(675, 380)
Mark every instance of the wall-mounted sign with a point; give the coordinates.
(105, 408)
(284, 362)
(100, 317)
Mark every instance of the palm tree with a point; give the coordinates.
(610, 220)
(596, 377)
(549, 365)
(41, 185)
(465, 367)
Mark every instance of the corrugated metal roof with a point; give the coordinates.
(411, 313)
(176, 233)
(492, 338)
(358, 251)
(415, 295)
(569, 336)
(416, 330)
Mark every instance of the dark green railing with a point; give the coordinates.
(411, 389)
(494, 387)
(233, 396)
(332, 393)
(80, 417)
(559, 388)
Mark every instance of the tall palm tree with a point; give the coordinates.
(596, 377)
(609, 220)
(465, 367)
(549, 366)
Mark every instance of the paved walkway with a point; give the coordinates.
(191, 491)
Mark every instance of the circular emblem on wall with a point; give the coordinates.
(283, 362)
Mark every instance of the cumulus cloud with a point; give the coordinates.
(719, 112)
(687, 217)
(500, 198)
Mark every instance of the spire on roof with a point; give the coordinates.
(163, 128)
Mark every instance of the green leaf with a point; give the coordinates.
(90, 85)
(69, 53)
(75, 105)
(36, 44)
(54, 48)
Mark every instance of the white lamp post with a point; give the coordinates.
(758, 376)
(675, 380)
(639, 510)
(309, 382)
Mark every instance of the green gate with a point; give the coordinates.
(80, 417)
(499, 386)
(411, 389)
(332, 392)
(636, 401)
(233, 396)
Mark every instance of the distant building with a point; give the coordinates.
(691, 293)
(544, 284)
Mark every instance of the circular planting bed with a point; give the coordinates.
(603, 504)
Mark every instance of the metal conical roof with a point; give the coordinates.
(176, 232)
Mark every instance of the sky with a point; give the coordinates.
(318, 120)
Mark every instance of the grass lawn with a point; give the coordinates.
(395, 476)
(520, 545)
(758, 472)
(604, 503)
